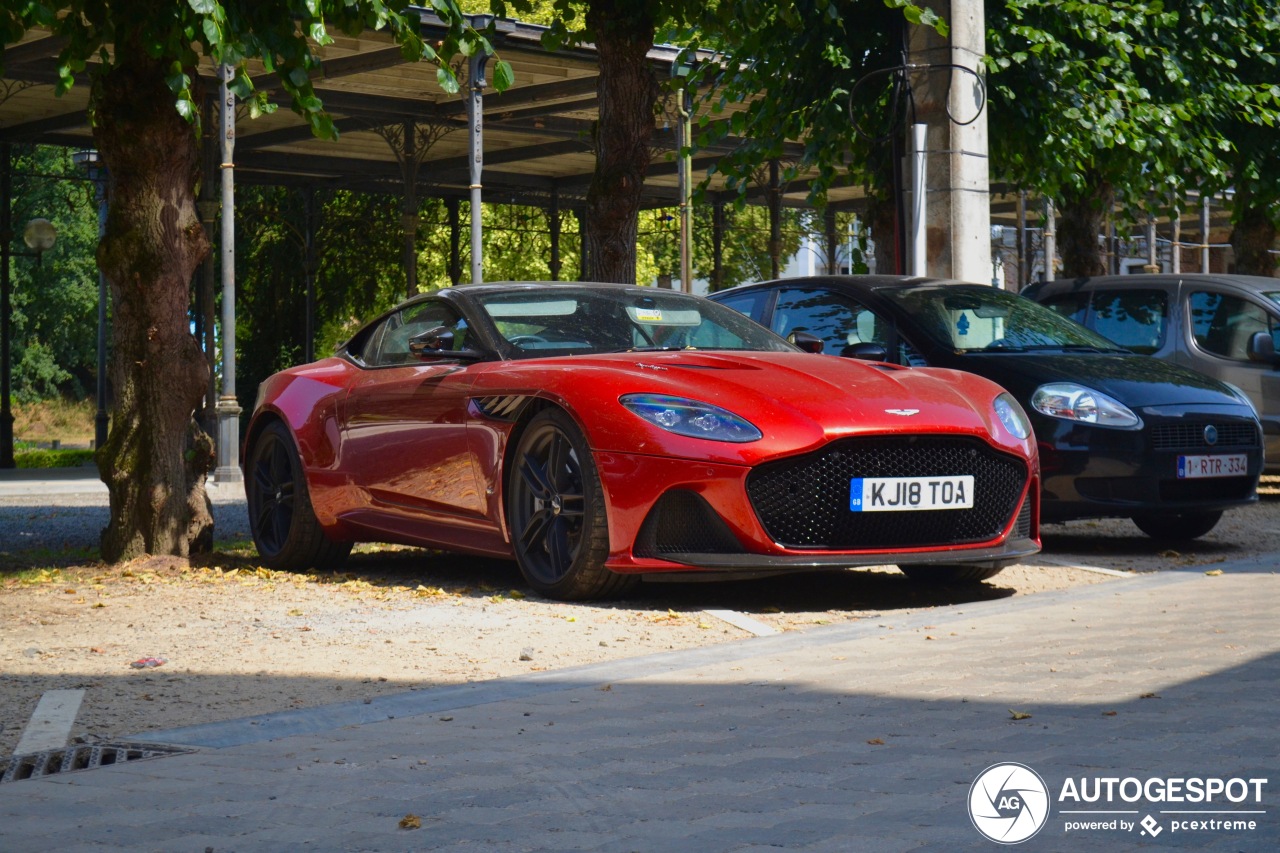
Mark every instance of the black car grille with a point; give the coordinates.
(1190, 436)
(803, 501)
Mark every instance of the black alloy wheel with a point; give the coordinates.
(555, 510)
(285, 529)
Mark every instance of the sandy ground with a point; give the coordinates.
(238, 640)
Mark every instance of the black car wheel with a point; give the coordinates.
(960, 573)
(1177, 527)
(555, 509)
(285, 528)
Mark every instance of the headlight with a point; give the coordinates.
(1073, 402)
(692, 418)
(1012, 416)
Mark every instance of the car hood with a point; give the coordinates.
(1137, 381)
(797, 400)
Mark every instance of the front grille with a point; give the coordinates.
(1022, 529)
(683, 522)
(803, 502)
(1190, 436)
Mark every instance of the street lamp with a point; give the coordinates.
(39, 235)
(91, 162)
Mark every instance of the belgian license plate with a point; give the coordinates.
(1220, 465)
(898, 494)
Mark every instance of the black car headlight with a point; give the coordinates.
(691, 418)
(1073, 402)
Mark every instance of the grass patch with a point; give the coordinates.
(68, 457)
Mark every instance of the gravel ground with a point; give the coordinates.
(239, 640)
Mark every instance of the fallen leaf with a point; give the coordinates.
(1149, 696)
(1108, 713)
(875, 741)
(1213, 573)
(411, 821)
(515, 593)
(1019, 715)
(930, 637)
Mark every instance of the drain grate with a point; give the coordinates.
(82, 757)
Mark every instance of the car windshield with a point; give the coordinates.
(566, 320)
(970, 318)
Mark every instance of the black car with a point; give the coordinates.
(1120, 434)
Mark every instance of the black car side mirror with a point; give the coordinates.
(865, 351)
(807, 341)
(437, 343)
(1262, 347)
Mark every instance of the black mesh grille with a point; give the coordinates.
(803, 502)
(682, 522)
(1190, 436)
(1022, 530)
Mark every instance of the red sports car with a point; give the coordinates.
(599, 433)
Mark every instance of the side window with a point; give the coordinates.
(1223, 324)
(1073, 306)
(389, 344)
(839, 320)
(1134, 319)
(752, 304)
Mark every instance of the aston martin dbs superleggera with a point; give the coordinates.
(600, 433)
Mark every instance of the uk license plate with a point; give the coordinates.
(904, 494)
(1218, 465)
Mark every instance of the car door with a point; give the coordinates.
(404, 421)
(1220, 325)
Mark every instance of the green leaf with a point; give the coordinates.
(446, 80)
(503, 76)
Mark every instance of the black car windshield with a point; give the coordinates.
(568, 320)
(973, 318)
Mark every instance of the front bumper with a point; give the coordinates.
(1095, 472)
(672, 515)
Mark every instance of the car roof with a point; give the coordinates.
(1252, 283)
(848, 282)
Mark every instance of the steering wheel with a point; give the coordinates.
(1000, 344)
(520, 340)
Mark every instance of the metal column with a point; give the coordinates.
(228, 470)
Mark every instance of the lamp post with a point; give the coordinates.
(39, 235)
(91, 162)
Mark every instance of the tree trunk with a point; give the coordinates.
(626, 94)
(155, 459)
(1082, 217)
(1253, 235)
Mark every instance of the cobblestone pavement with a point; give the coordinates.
(865, 736)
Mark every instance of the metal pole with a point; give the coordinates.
(1050, 241)
(919, 263)
(1204, 234)
(1153, 261)
(6, 310)
(686, 192)
(228, 470)
(1175, 251)
(475, 131)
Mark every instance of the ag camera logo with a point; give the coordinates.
(1008, 803)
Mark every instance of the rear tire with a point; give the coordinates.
(556, 513)
(285, 528)
(1178, 527)
(960, 573)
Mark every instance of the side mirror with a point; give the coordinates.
(865, 351)
(807, 341)
(437, 343)
(1262, 347)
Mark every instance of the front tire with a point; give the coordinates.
(285, 528)
(556, 513)
(960, 573)
(1178, 527)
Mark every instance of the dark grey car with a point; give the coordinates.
(1226, 326)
